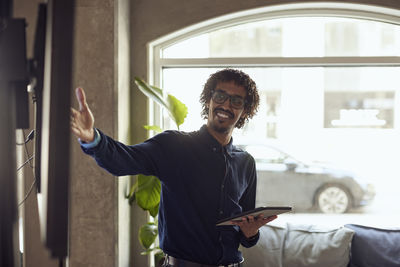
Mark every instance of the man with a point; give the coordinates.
(204, 177)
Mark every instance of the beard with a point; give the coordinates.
(222, 126)
(219, 128)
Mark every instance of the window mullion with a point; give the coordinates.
(281, 62)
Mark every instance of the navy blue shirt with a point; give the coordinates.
(201, 183)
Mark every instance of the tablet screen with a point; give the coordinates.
(266, 211)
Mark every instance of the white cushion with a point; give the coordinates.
(308, 245)
(268, 250)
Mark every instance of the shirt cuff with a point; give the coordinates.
(92, 144)
(251, 241)
(254, 237)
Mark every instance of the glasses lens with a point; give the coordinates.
(219, 97)
(237, 102)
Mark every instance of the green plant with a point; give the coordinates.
(147, 189)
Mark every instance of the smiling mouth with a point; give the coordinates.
(223, 114)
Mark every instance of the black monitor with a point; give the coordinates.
(51, 74)
(53, 123)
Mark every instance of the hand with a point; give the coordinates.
(82, 121)
(249, 225)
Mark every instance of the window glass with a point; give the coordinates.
(316, 126)
(293, 37)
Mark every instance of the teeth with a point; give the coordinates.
(222, 115)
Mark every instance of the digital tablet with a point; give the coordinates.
(266, 211)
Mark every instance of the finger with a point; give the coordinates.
(239, 222)
(250, 219)
(74, 112)
(80, 95)
(74, 127)
(74, 130)
(270, 218)
(260, 216)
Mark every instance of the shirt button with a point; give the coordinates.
(214, 149)
(221, 212)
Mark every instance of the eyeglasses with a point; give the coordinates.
(220, 97)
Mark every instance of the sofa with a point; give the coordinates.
(351, 245)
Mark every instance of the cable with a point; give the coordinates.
(26, 151)
(30, 137)
(27, 194)
(26, 162)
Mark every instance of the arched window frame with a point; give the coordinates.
(356, 11)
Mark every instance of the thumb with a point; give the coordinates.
(80, 95)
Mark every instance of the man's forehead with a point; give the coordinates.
(232, 87)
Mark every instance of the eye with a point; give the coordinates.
(237, 101)
(219, 96)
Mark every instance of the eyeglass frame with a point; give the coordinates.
(228, 96)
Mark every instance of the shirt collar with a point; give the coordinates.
(211, 142)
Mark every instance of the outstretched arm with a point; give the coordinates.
(82, 120)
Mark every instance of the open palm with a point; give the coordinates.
(82, 120)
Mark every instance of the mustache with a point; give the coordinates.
(224, 110)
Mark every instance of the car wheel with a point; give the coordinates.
(333, 199)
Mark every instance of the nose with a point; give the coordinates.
(227, 103)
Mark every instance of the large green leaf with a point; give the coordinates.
(148, 192)
(148, 234)
(177, 109)
(154, 211)
(151, 92)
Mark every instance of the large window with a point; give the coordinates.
(327, 135)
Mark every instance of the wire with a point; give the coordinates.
(27, 194)
(26, 162)
(30, 137)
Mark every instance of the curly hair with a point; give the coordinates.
(240, 78)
